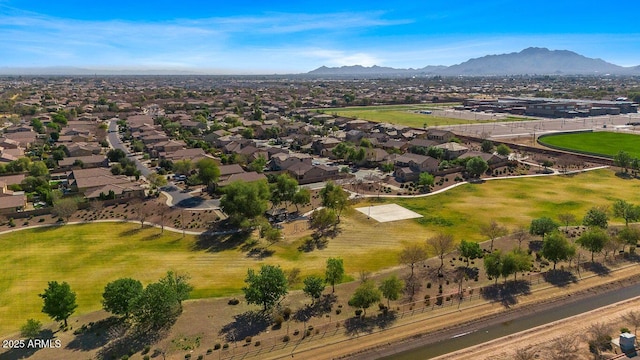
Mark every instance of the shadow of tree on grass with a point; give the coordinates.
(559, 277)
(217, 243)
(366, 325)
(598, 268)
(97, 334)
(250, 323)
(507, 294)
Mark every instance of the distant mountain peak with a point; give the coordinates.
(529, 61)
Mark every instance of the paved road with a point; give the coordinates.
(176, 196)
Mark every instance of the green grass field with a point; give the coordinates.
(91, 255)
(396, 114)
(602, 142)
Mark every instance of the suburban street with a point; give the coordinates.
(176, 195)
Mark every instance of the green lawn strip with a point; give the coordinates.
(602, 142)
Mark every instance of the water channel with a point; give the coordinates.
(484, 334)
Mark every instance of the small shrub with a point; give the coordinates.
(200, 357)
(296, 332)
(307, 333)
(257, 343)
(278, 320)
(146, 349)
(338, 311)
(233, 301)
(217, 346)
(187, 356)
(286, 313)
(248, 339)
(225, 346)
(625, 330)
(428, 285)
(124, 357)
(41, 220)
(358, 312)
(146, 357)
(209, 351)
(285, 338)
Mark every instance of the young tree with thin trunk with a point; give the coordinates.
(469, 250)
(441, 245)
(521, 235)
(391, 288)
(566, 219)
(411, 255)
(493, 264)
(493, 230)
(593, 240)
(334, 272)
(556, 247)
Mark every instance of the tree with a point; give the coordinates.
(598, 338)
(245, 201)
(334, 197)
(59, 301)
(542, 226)
(426, 180)
(156, 306)
(334, 272)
(469, 250)
(258, 164)
(566, 219)
(65, 208)
(283, 190)
(313, 286)
(486, 146)
(493, 264)
(593, 240)
(633, 318)
(629, 236)
(266, 287)
(38, 169)
(156, 180)
(183, 167)
(365, 295)
(119, 295)
(520, 261)
(391, 288)
(503, 150)
(322, 220)
(627, 211)
(411, 255)
(31, 329)
(476, 166)
(622, 159)
(115, 155)
(493, 230)
(208, 172)
(596, 216)
(521, 234)
(441, 245)
(179, 283)
(301, 197)
(556, 247)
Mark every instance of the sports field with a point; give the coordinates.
(406, 115)
(602, 142)
(89, 256)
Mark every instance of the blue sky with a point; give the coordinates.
(265, 37)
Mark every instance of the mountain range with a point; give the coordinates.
(530, 61)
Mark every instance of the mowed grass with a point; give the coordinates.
(396, 114)
(91, 255)
(602, 142)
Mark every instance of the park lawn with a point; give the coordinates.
(515, 202)
(89, 256)
(601, 142)
(395, 114)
